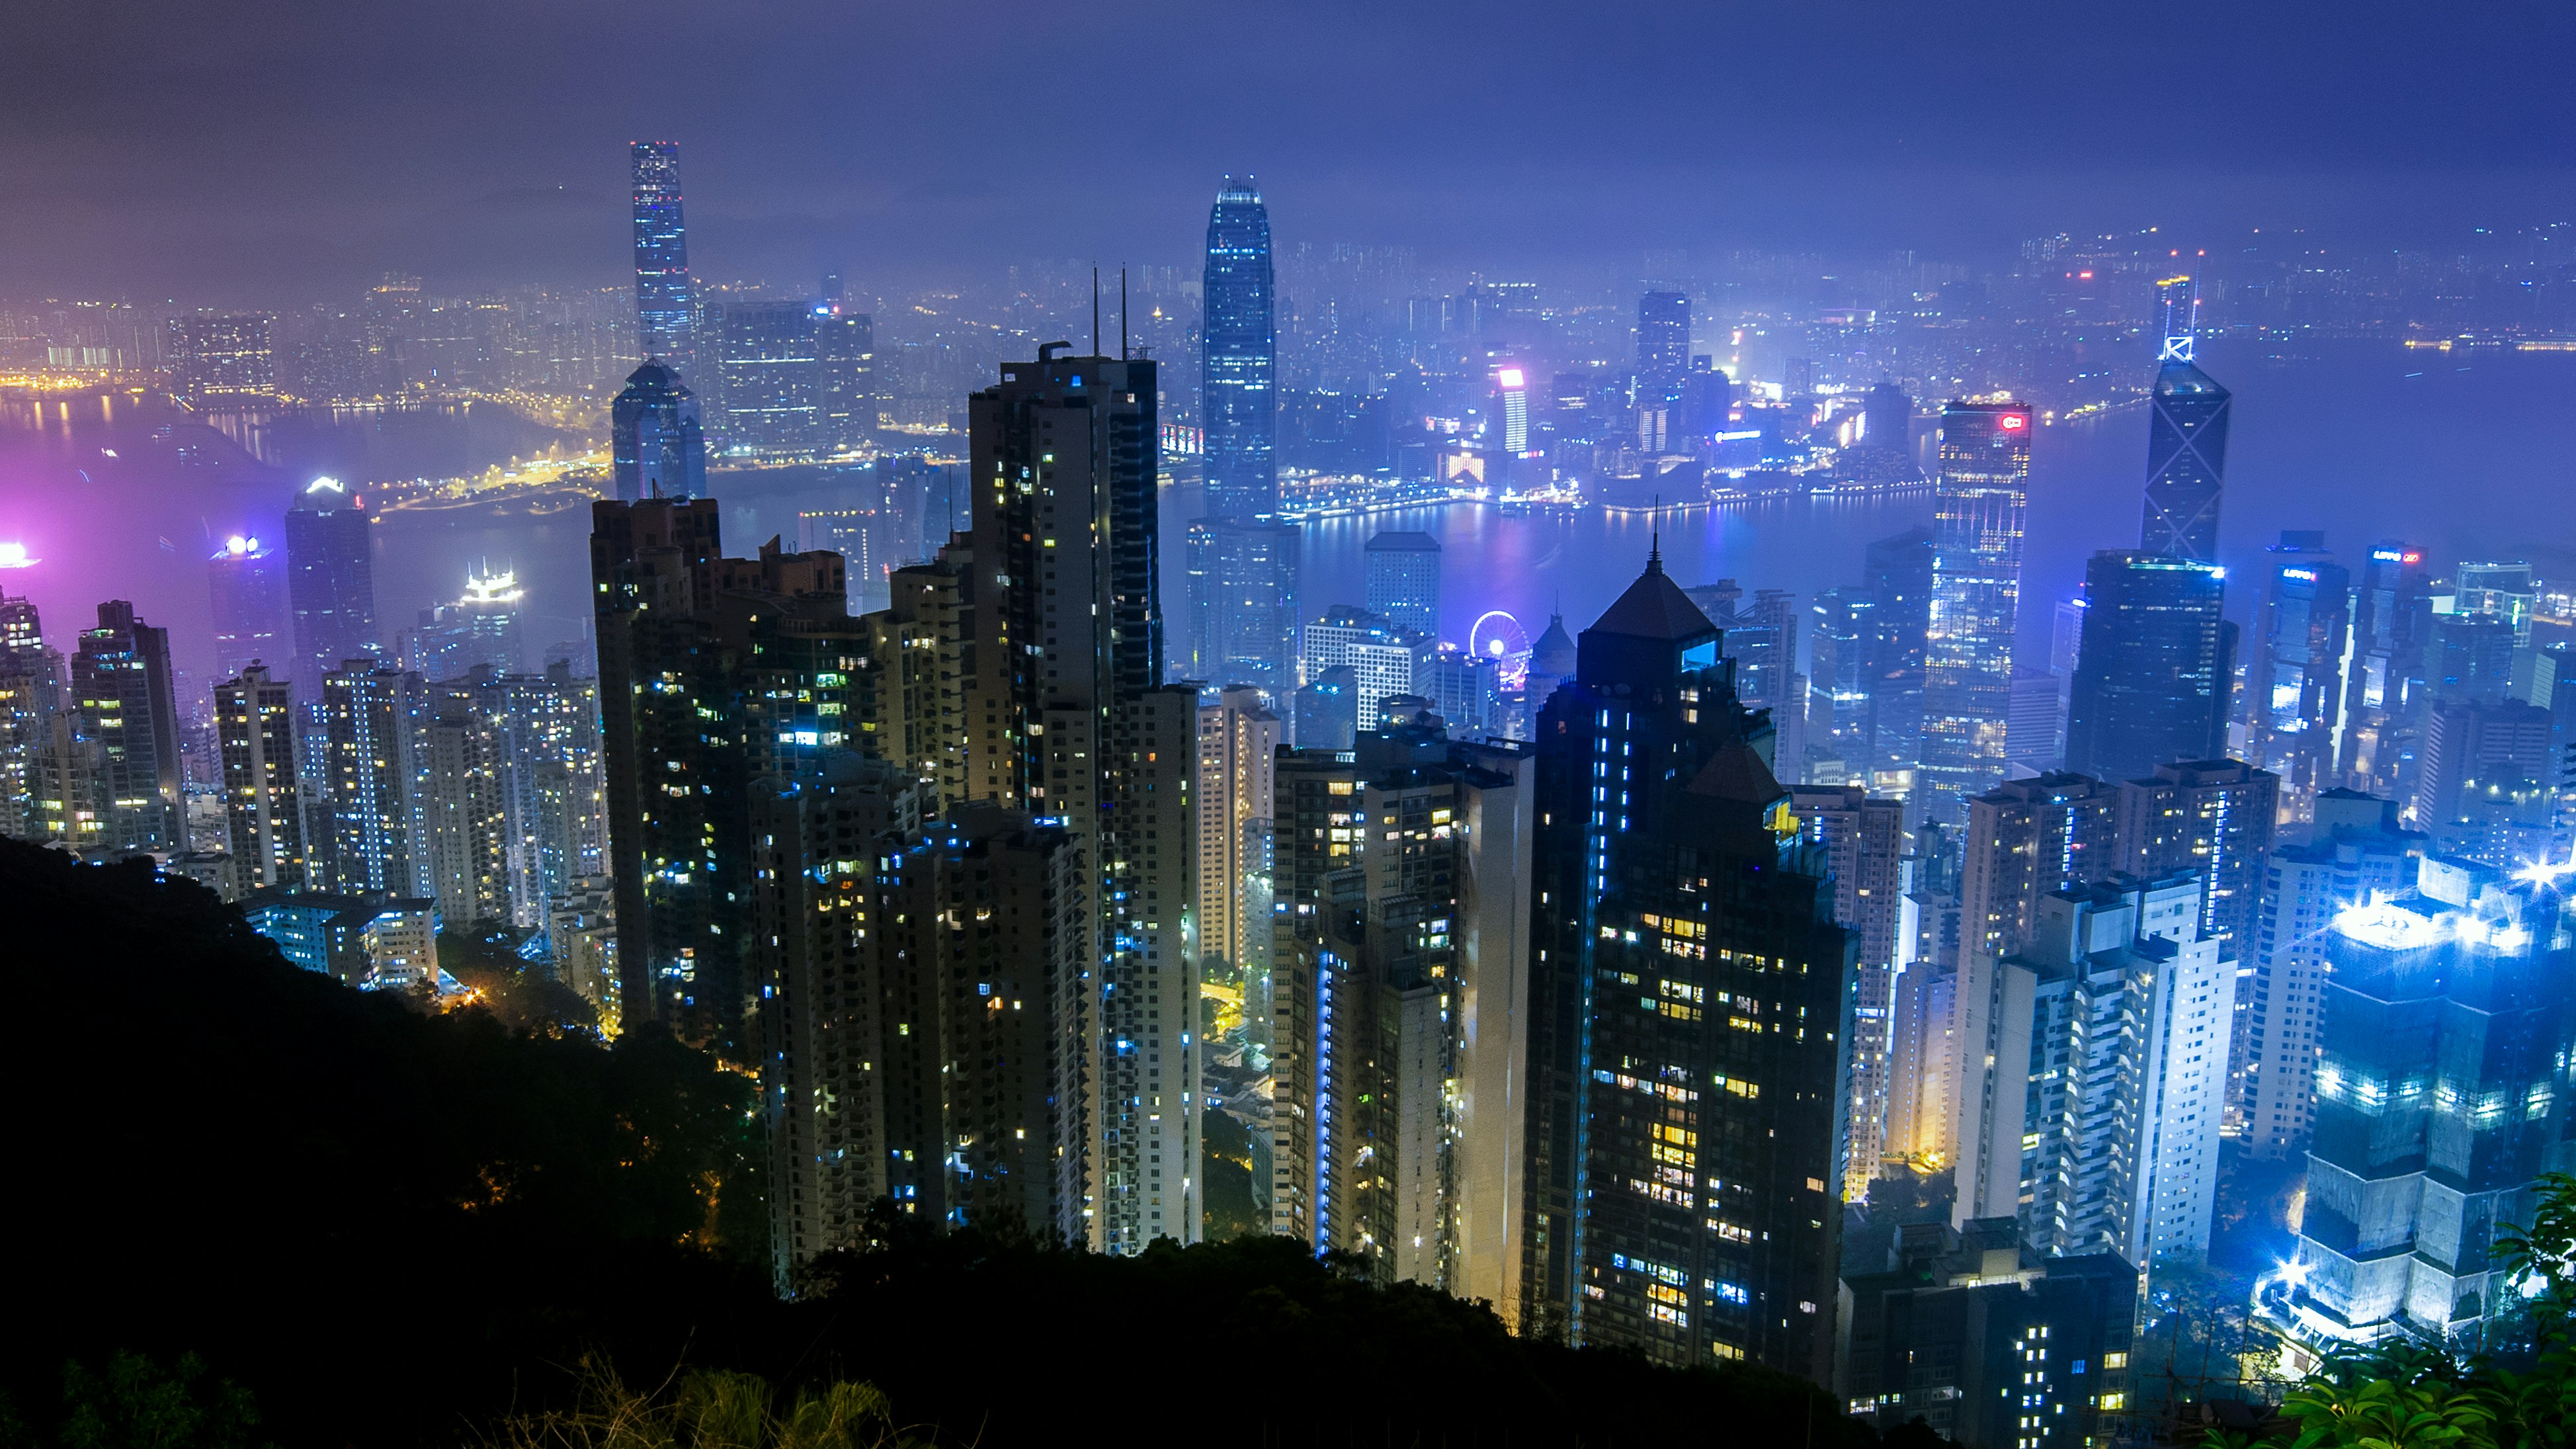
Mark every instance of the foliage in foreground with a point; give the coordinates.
(707, 1409)
(2405, 1395)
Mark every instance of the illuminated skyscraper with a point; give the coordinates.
(1238, 738)
(371, 713)
(659, 446)
(1979, 507)
(770, 390)
(1069, 695)
(1401, 956)
(2155, 673)
(1690, 1002)
(479, 629)
(30, 676)
(2444, 1035)
(1243, 602)
(1404, 580)
(1243, 562)
(1238, 382)
(1864, 842)
(123, 704)
(665, 297)
(1663, 348)
(255, 719)
(2186, 439)
(2357, 853)
(688, 710)
(2297, 686)
(331, 580)
(2392, 622)
(246, 585)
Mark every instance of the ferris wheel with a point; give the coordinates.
(1499, 637)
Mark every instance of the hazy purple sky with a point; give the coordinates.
(245, 148)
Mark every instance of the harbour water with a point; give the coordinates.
(2466, 454)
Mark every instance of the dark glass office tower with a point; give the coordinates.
(1243, 603)
(659, 444)
(1663, 348)
(2152, 678)
(2186, 441)
(1690, 996)
(330, 581)
(1238, 395)
(1979, 507)
(1897, 574)
(665, 298)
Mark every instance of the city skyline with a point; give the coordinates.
(948, 706)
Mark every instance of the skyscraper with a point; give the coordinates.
(1400, 960)
(2356, 853)
(30, 678)
(255, 719)
(2391, 624)
(1238, 738)
(330, 580)
(1663, 349)
(124, 705)
(908, 1057)
(771, 392)
(246, 589)
(1897, 576)
(1069, 695)
(2095, 1074)
(659, 446)
(1689, 1008)
(1404, 580)
(1240, 351)
(2446, 1018)
(480, 629)
(665, 297)
(2295, 711)
(2186, 439)
(371, 716)
(1978, 511)
(2154, 674)
(1864, 843)
(1243, 602)
(846, 344)
(687, 722)
(1243, 562)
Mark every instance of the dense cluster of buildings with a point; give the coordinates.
(1645, 981)
(357, 798)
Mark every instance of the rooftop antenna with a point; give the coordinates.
(1122, 314)
(1095, 310)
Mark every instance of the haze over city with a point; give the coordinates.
(789, 725)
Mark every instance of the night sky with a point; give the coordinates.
(265, 150)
